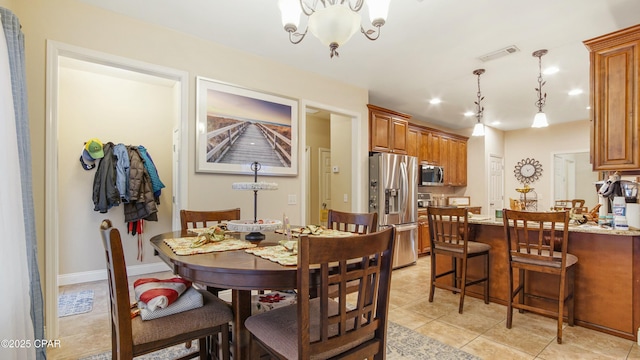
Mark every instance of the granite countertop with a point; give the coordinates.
(585, 228)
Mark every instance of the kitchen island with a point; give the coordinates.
(607, 279)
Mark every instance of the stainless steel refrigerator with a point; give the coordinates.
(393, 189)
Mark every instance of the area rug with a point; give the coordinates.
(75, 303)
(402, 344)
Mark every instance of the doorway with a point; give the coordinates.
(496, 184)
(84, 88)
(340, 134)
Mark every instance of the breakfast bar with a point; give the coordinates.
(607, 279)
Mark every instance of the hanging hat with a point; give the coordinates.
(94, 148)
(86, 160)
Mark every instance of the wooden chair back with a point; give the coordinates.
(317, 260)
(448, 228)
(121, 330)
(358, 223)
(537, 240)
(202, 219)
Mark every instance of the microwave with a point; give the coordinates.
(431, 175)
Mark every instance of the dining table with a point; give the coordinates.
(237, 270)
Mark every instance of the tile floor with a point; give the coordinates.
(480, 330)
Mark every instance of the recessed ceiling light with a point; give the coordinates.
(469, 113)
(550, 70)
(574, 92)
(588, 107)
(435, 101)
(495, 123)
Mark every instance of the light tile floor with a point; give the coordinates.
(480, 330)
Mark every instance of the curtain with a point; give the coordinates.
(22, 303)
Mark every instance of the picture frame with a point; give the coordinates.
(236, 127)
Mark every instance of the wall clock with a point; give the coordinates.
(528, 170)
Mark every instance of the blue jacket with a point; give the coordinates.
(122, 171)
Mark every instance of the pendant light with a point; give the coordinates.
(540, 120)
(478, 129)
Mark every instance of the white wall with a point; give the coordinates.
(116, 109)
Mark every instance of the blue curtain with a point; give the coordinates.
(15, 45)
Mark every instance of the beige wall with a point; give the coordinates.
(341, 140)
(541, 144)
(318, 136)
(72, 22)
(114, 109)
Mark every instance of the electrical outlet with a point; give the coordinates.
(346, 198)
(292, 199)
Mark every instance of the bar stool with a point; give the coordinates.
(449, 236)
(531, 237)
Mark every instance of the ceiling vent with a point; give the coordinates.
(499, 53)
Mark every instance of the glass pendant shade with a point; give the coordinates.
(378, 10)
(540, 120)
(334, 24)
(478, 130)
(290, 11)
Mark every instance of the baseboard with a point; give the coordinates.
(97, 275)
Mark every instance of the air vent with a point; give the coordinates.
(499, 53)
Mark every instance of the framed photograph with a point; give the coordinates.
(237, 127)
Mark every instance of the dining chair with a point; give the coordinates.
(196, 219)
(193, 219)
(449, 234)
(531, 237)
(359, 223)
(131, 337)
(323, 327)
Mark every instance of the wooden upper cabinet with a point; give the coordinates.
(615, 100)
(388, 130)
(413, 145)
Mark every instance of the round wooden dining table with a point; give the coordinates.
(236, 270)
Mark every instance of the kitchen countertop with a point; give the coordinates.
(584, 228)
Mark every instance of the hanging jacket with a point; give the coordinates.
(156, 183)
(122, 171)
(105, 192)
(141, 200)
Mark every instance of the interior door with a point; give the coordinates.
(496, 184)
(325, 183)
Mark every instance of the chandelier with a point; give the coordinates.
(333, 22)
(478, 129)
(540, 120)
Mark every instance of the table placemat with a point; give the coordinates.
(182, 246)
(277, 253)
(296, 232)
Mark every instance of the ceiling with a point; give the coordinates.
(427, 48)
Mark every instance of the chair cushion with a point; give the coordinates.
(278, 329)
(571, 259)
(214, 312)
(473, 247)
(190, 299)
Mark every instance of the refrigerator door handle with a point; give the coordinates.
(405, 191)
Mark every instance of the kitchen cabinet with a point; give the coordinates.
(424, 245)
(456, 172)
(413, 143)
(388, 130)
(615, 100)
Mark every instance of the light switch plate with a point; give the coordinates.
(292, 199)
